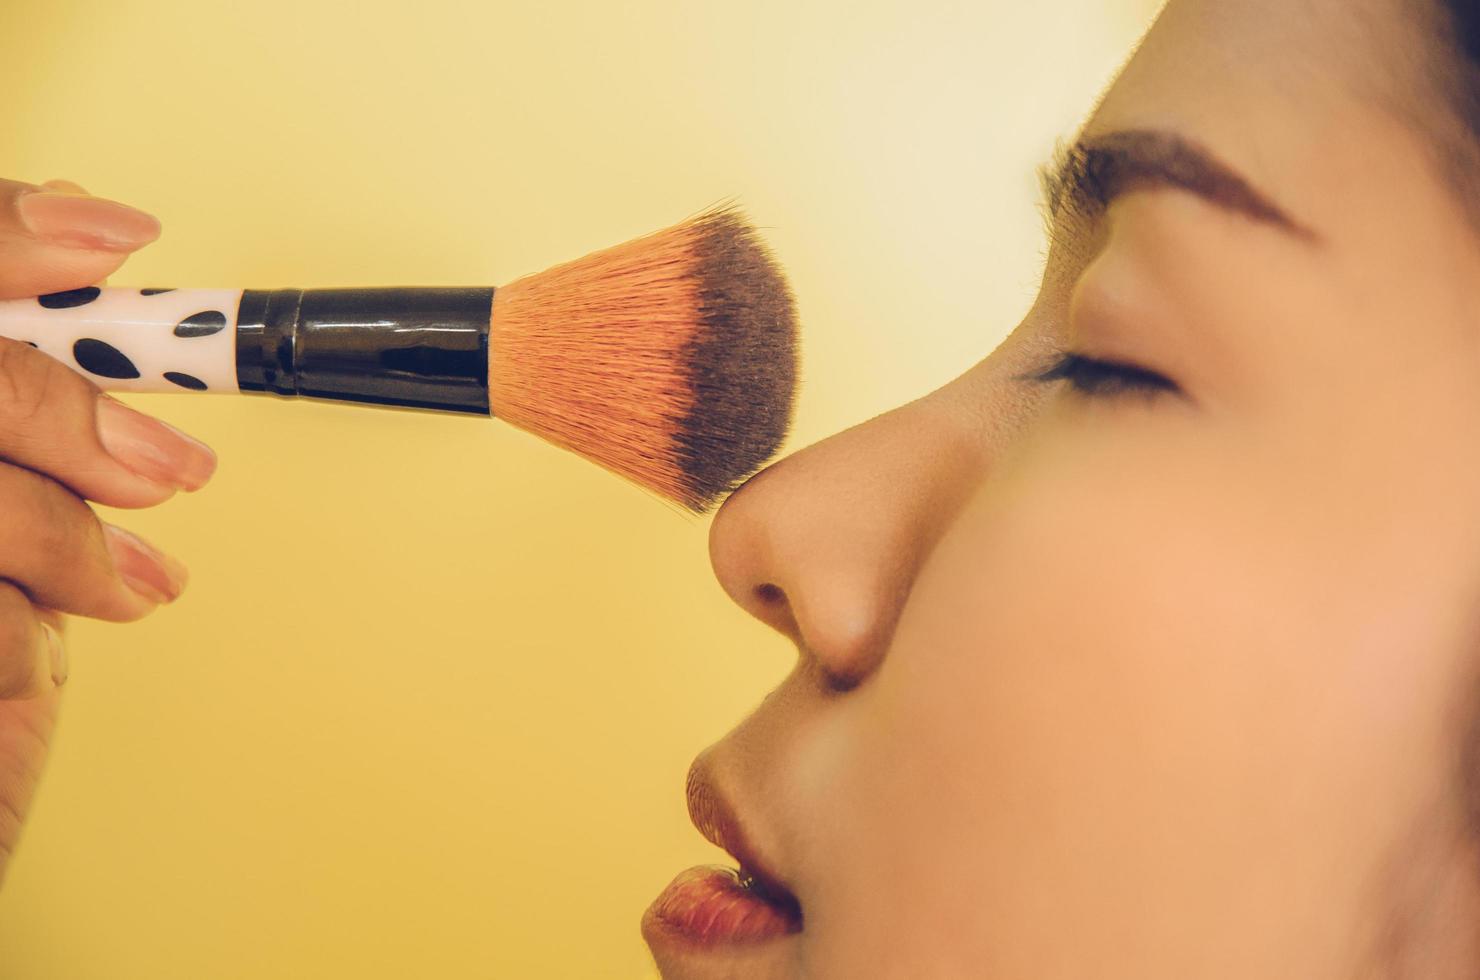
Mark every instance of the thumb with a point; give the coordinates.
(56, 236)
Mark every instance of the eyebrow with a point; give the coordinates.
(1091, 173)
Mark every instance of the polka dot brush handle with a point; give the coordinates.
(404, 346)
(134, 339)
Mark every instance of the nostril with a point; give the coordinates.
(773, 607)
(770, 594)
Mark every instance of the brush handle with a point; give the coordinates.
(410, 347)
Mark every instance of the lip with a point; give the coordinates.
(709, 907)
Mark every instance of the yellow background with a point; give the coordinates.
(426, 708)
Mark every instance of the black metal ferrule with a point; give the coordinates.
(410, 347)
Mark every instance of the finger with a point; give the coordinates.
(53, 420)
(54, 547)
(55, 237)
(32, 659)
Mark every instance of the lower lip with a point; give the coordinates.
(710, 907)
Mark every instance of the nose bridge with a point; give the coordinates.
(824, 545)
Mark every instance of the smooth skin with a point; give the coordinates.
(62, 444)
(1122, 686)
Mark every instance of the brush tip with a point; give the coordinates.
(670, 360)
(742, 359)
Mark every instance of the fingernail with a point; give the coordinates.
(152, 449)
(149, 572)
(66, 186)
(83, 221)
(56, 652)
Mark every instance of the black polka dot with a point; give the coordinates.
(70, 298)
(185, 380)
(156, 292)
(201, 324)
(104, 360)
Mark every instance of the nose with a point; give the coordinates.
(824, 545)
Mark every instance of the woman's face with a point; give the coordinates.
(1105, 680)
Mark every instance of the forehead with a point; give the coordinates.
(1287, 50)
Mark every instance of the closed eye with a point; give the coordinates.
(1101, 379)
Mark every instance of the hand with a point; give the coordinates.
(63, 443)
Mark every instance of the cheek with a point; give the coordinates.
(1109, 685)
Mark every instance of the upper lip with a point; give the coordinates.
(714, 815)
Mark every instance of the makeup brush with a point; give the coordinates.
(670, 360)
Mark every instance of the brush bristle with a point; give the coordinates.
(670, 360)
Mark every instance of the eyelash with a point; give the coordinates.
(1102, 379)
